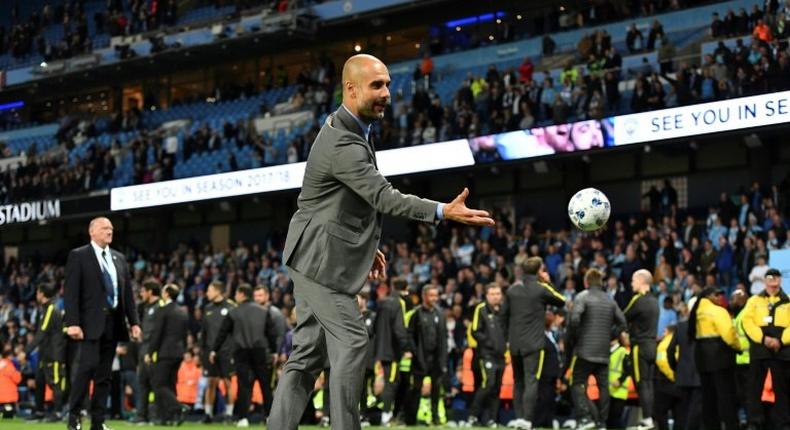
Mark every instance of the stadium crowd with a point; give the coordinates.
(460, 275)
(502, 100)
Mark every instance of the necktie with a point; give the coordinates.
(108, 286)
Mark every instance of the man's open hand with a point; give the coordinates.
(457, 211)
(379, 270)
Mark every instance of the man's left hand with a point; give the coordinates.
(136, 332)
(379, 270)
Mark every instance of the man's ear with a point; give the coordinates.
(352, 91)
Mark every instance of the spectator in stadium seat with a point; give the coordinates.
(426, 66)
(762, 31)
(757, 274)
(656, 34)
(666, 54)
(742, 22)
(729, 25)
(634, 39)
(548, 46)
(525, 71)
(639, 97)
(716, 26)
(547, 97)
(597, 105)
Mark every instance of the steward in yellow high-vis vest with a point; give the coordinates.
(668, 396)
(766, 321)
(716, 344)
(618, 384)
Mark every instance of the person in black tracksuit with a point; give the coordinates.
(51, 344)
(686, 378)
(552, 371)
(262, 296)
(222, 368)
(251, 327)
(147, 310)
(276, 332)
(488, 331)
(595, 319)
(525, 309)
(391, 343)
(369, 317)
(642, 315)
(428, 334)
(166, 351)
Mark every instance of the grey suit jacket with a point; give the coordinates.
(333, 236)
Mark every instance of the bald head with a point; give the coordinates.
(100, 230)
(355, 66)
(366, 87)
(641, 281)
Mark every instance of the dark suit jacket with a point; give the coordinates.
(85, 299)
(333, 236)
(168, 332)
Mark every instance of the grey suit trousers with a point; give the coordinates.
(329, 323)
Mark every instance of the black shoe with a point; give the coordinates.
(74, 423)
(207, 419)
(52, 418)
(181, 416)
(101, 426)
(34, 418)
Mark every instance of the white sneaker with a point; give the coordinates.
(512, 424)
(243, 423)
(645, 424)
(386, 417)
(586, 425)
(526, 425)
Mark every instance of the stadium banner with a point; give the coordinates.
(694, 120)
(392, 162)
(780, 259)
(19, 213)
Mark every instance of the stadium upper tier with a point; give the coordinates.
(194, 139)
(36, 30)
(25, 68)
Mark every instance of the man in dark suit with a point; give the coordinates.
(331, 247)
(168, 344)
(99, 312)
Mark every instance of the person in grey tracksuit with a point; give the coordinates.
(595, 319)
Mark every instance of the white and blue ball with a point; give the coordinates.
(589, 209)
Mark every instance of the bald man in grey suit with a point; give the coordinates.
(332, 248)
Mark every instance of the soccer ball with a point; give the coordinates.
(589, 209)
